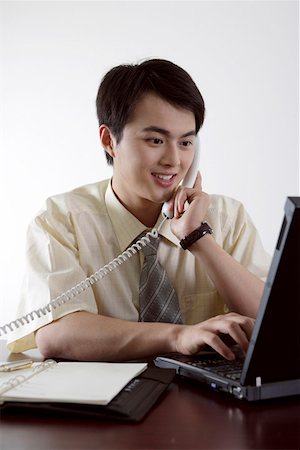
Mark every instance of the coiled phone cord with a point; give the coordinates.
(83, 285)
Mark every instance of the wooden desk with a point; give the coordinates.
(186, 417)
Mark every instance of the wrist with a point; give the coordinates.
(206, 244)
(176, 337)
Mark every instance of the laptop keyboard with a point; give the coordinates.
(219, 366)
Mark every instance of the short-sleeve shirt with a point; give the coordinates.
(81, 231)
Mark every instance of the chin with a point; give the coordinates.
(157, 196)
(159, 199)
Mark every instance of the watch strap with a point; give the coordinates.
(195, 235)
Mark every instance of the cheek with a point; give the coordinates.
(126, 160)
(141, 161)
(134, 162)
(187, 160)
(130, 167)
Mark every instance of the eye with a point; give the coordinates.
(186, 143)
(155, 140)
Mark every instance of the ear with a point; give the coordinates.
(107, 140)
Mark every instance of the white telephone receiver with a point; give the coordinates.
(188, 180)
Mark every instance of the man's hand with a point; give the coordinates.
(240, 289)
(188, 219)
(191, 339)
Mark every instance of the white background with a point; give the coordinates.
(243, 55)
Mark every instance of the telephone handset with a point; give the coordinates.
(188, 180)
(68, 295)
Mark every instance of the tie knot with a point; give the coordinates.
(151, 248)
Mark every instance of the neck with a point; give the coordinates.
(147, 218)
(146, 212)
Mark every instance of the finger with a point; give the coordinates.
(198, 182)
(248, 326)
(246, 323)
(183, 195)
(170, 204)
(180, 200)
(238, 335)
(219, 346)
(232, 330)
(187, 193)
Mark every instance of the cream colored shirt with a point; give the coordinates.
(82, 230)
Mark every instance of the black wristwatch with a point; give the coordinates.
(195, 235)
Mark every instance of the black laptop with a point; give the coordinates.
(271, 367)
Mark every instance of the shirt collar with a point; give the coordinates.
(126, 226)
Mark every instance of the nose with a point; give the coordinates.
(170, 156)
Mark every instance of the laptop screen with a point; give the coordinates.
(274, 349)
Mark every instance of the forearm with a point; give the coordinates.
(89, 337)
(240, 289)
(86, 336)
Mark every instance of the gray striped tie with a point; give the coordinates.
(158, 299)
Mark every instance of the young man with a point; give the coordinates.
(149, 115)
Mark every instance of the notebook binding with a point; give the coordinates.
(20, 379)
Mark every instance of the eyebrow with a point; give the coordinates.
(166, 132)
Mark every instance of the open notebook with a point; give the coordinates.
(117, 391)
(68, 382)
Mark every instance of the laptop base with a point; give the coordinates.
(262, 391)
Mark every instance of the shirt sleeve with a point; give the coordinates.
(52, 267)
(241, 239)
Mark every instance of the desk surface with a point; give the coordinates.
(187, 417)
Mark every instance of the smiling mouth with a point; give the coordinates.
(163, 177)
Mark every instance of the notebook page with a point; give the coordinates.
(77, 382)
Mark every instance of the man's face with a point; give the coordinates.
(156, 151)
